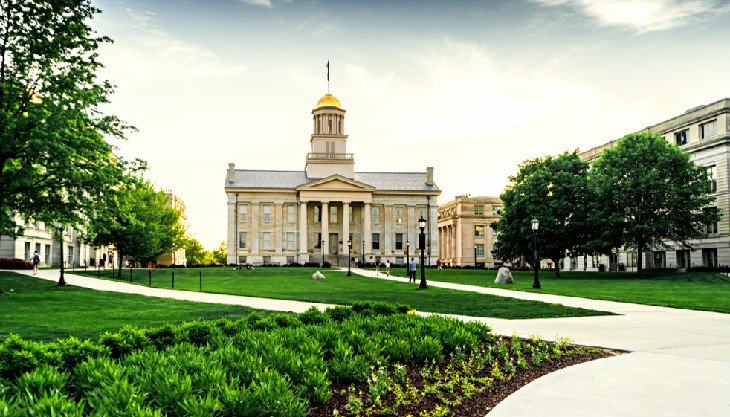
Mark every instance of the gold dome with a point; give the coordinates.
(329, 101)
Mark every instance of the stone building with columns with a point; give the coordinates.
(465, 235)
(282, 217)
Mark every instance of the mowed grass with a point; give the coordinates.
(40, 310)
(297, 284)
(691, 290)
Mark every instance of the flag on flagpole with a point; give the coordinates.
(328, 71)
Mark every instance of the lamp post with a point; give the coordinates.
(322, 246)
(349, 247)
(422, 244)
(362, 254)
(475, 256)
(614, 260)
(535, 228)
(408, 269)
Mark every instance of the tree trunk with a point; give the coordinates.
(121, 262)
(557, 268)
(61, 279)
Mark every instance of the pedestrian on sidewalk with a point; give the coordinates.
(377, 267)
(412, 270)
(387, 268)
(35, 259)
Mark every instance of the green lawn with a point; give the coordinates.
(297, 284)
(691, 290)
(40, 310)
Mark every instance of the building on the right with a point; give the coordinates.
(704, 133)
(465, 235)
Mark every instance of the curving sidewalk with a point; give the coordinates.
(679, 363)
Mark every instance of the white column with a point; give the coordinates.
(367, 232)
(302, 227)
(325, 214)
(255, 221)
(345, 225)
(231, 240)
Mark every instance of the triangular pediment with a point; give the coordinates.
(335, 183)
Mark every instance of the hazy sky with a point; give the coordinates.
(471, 88)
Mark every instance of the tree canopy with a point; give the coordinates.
(555, 191)
(649, 192)
(55, 164)
(139, 221)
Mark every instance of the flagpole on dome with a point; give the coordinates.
(328, 77)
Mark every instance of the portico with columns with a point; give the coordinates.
(283, 217)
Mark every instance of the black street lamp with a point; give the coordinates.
(362, 254)
(535, 228)
(475, 256)
(422, 244)
(349, 259)
(322, 245)
(408, 268)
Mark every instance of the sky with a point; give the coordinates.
(472, 88)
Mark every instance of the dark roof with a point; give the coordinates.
(388, 181)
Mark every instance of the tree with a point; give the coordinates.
(219, 255)
(555, 191)
(196, 253)
(55, 165)
(649, 192)
(139, 221)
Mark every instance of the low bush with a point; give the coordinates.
(15, 263)
(311, 264)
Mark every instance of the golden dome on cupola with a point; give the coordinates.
(328, 100)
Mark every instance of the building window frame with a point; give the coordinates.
(317, 214)
(479, 230)
(266, 211)
(711, 179)
(290, 241)
(710, 228)
(479, 248)
(398, 214)
(291, 214)
(243, 212)
(708, 129)
(266, 240)
(333, 214)
(478, 210)
(375, 214)
(399, 241)
(375, 241)
(242, 239)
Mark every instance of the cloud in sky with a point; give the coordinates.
(262, 3)
(644, 15)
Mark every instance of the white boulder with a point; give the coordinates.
(503, 276)
(318, 276)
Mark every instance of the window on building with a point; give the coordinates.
(479, 248)
(241, 260)
(38, 248)
(709, 257)
(710, 227)
(422, 213)
(399, 215)
(242, 239)
(70, 255)
(479, 230)
(243, 213)
(290, 241)
(680, 138)
(267, 240)
(319, 241)
(594, 261)
(267, 212)
(376, 240)
(496, 210)
(317, 216)
(708, 130)
(711, 179)
(399, 241)
(291, 214)
(333, 214)
(375, 214)
(27, 251)
(478, 209)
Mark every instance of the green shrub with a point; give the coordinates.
(55, 404)
(162, 337)
(119, 398)
(73, 351)
(286, 320)
(125, 341)
(18, 356)
(347, 367)
(198, 333)
(42, 381)
(427, 349)
(339, 313)
(398, 350)
(313, 316)
(207, 406)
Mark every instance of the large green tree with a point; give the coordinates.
(555, 191)
(648, 191)
(139, 221)
(196, 253)
(55, 165)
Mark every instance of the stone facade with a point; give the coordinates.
(465, 235)
(280, 217)
(704, 133)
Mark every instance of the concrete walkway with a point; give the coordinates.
(679, 363)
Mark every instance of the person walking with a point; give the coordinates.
(438, 264)
(111, 260)
(377, 267)
(412, 271)
(387, 268)
(35, 259)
